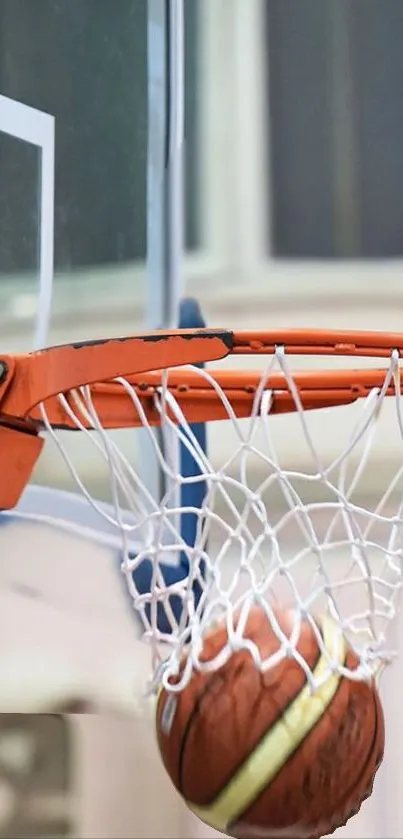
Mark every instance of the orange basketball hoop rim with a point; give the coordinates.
(28, 381)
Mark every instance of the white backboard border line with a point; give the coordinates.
(38, 128)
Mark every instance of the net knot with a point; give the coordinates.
(279, 518)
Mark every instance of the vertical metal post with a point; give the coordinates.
(165, 211)
(165, 161)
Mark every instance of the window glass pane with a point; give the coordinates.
(335, 82)
(85, 63)
(302, 218)
(377, 32)
(19, 204)
(19, 256)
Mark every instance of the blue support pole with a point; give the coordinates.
(165, 211)
(165, 257)
(192, 495)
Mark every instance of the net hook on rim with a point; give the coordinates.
(36, 378)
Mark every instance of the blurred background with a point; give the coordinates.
(293, 176)
(293, 216)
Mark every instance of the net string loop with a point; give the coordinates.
(306, 538)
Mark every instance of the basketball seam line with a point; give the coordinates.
(353, 786)
(257, 771)
(213, 682)
(192, 719)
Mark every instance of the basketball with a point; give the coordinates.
(259, 754)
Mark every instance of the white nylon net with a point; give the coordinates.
(265, 534)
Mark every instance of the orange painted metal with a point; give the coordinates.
(42, 374)
(38, 377)
(27, 380)
(20, 451)
(319, 342)
(200, 401)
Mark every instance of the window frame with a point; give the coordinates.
(292, 286)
